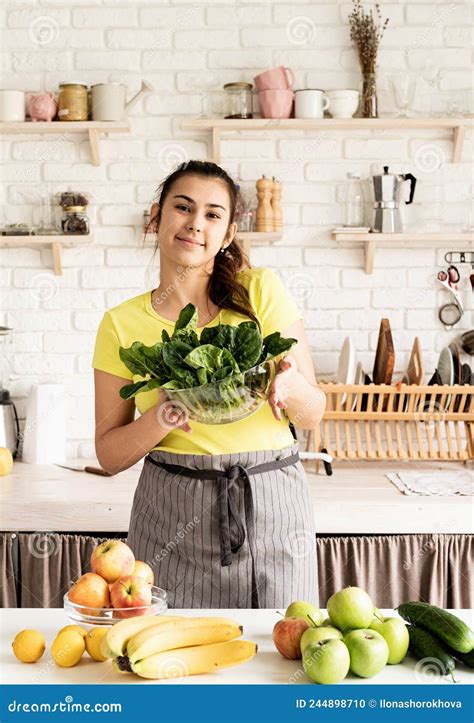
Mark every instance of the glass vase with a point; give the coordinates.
(369, 96)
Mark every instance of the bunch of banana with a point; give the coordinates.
(195, 659)
(181, 633)
(115, 642)
(176, 646)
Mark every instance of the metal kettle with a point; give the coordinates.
(387, 191)
(9, 424)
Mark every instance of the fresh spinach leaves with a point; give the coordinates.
(185, 361)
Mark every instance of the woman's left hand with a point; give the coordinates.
(280, 389)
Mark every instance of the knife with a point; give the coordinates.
(92, 470)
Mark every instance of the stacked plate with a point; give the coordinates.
(449, 369)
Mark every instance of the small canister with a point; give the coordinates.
(75, 220)
(72, 101)
(238, 100)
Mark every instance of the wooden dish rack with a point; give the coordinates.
(401, 422)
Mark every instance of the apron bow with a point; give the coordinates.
(231, 528)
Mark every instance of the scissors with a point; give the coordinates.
(451, 313)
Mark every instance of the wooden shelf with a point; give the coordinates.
(219, 125)
(256, 237)
(371, 240)
(94, 129)
(57, 242)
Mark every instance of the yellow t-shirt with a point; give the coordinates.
(136, 320)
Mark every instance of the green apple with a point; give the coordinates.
(327, 622)
(314, 635)
(305, 610)
(378, 617)
(350, 608)
(368, 651)
(326, 662)
(395, 632)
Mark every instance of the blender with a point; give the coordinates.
(387, 191)
(9, 425)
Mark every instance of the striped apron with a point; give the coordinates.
(226, 531)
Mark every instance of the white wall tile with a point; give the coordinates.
(185, 49)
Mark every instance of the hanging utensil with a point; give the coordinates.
(450, 314)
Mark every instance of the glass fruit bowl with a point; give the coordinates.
(230, 399)
(99, 617)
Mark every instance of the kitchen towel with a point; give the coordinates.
(44, 436)
(445, 482)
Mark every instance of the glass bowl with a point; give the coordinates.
(230, 399)
(99, 617)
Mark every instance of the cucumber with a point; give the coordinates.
(447, 627)
(424, 644)
(466, 658)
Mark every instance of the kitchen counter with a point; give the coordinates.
(267, 667)
(357, 499)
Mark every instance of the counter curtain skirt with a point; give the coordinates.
(37, 567)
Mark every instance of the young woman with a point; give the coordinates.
(222, 513)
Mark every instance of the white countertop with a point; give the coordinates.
(357, 499)
(267, 667)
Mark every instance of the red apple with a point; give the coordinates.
(131, 592)
(90, 589)
(112, 559)
(287, 636)
(143, 570)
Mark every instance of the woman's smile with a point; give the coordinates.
(190, 241)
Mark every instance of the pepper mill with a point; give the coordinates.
(264, 216)
(276, 207)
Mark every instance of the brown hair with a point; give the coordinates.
(223, 288)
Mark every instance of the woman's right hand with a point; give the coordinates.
(171, 414)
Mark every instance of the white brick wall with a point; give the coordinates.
(183, 47)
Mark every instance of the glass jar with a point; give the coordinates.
(238, 100)
(369, 96)
(72, 102)
(74, 220)
(353, 201)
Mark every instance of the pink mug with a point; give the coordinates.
(279, 78)
(276, 103)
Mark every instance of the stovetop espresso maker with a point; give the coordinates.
(387, 191)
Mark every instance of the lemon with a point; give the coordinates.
(76, 628)
(67, 648)
(93, 642)
(6, 461)
(29, 645)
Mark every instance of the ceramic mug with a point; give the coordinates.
(310, 103)
(343, 103)
(276, 103)
(279, 78)
(12, 105)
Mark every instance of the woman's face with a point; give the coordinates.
(194, 223)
